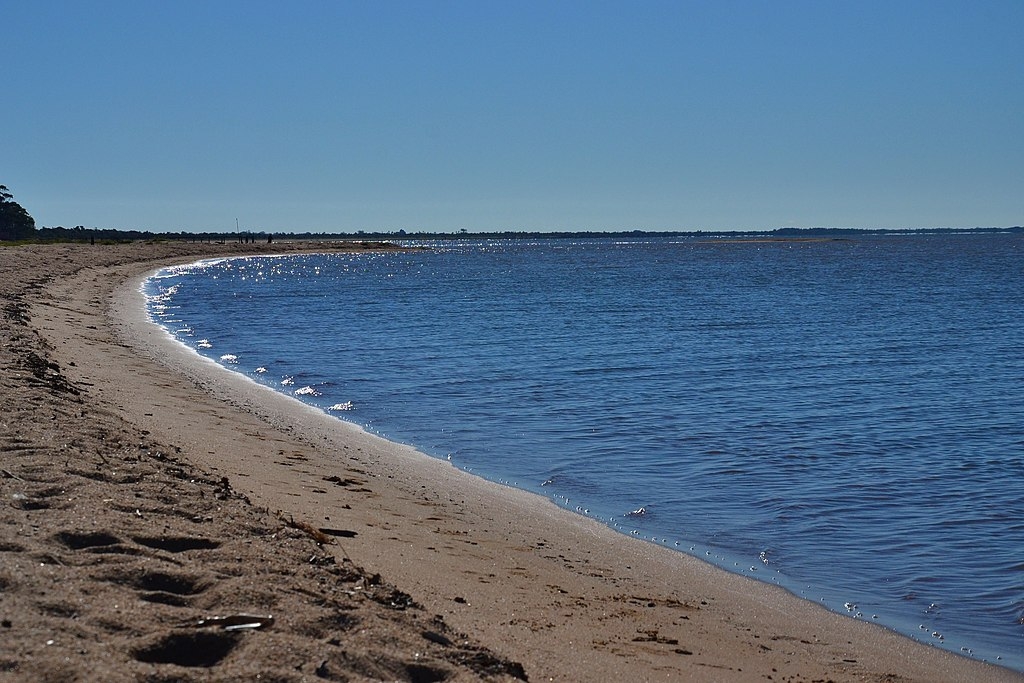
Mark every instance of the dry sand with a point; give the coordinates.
(146, 490)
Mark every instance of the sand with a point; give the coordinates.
(148, 492)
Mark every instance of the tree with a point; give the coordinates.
(15, 223)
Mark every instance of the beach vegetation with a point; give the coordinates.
(15, 221)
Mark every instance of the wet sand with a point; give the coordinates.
(150, 489)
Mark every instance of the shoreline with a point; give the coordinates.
(253, 384)
(566, 596)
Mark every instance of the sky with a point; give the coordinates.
(540, 116)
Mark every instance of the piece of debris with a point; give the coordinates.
(317, 535)
(237, 622)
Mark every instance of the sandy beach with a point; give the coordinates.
(166, 520)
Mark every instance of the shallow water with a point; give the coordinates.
(845, 418)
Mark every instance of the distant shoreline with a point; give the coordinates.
(268, 238)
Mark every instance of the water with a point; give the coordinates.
(844, 418)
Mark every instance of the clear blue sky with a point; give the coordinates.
(436, 115)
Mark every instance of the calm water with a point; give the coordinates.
(845, 418)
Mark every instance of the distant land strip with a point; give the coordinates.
(82, 233)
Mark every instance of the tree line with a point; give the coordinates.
(15, 221)
(17, 224)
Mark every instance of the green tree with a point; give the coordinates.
(15, 223)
